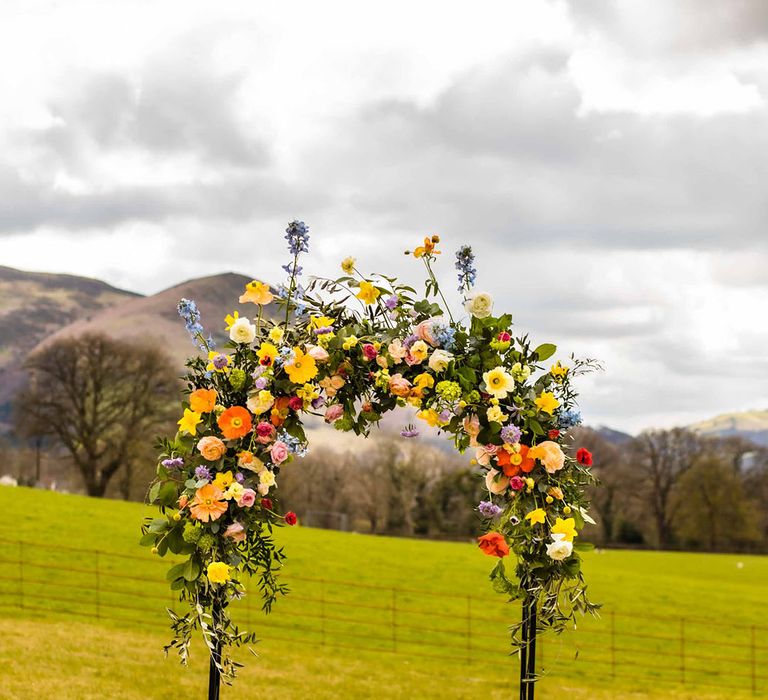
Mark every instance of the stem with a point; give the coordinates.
(437, 286)
(290, 290)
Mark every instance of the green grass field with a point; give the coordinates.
(367, 617)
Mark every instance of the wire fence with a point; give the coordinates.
(470, 630)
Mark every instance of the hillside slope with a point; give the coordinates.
(752, 425)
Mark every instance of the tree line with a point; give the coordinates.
(93, 406)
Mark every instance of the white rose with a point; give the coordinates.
(494, 485)
(242, 331)
(480, 304)
(439, 359)
(560, 548)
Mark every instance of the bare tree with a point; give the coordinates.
(659, 458)
(100, 398)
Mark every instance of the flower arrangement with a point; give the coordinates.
(350, 349)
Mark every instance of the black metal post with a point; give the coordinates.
(528, 649)
(214, 675)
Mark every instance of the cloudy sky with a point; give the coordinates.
(607, 161)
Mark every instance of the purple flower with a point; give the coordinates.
(488, 509)
(173, 463)
(202, 474)
(319, 402)
(220, 361)
(409, 432)
(392, 302)
(511, 434)
(239, 478)
(258, 371)
(297, 235)
(260, 383)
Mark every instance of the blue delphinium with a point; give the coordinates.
(444, 335)
(297, 235)
(189, 312)
(568, 419)
(295, 446)
(465, 264)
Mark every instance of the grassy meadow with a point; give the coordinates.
(367, 617)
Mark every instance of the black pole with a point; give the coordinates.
(214, 674)
(528, 649)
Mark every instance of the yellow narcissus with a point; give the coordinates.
(546, 402)
(368, 294)
(498, 382)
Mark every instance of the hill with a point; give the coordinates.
(33, 306)
(752, 425)
(367, 617)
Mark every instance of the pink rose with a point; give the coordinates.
(279, 452)
(369, 351)
(424, 331)
(247, 498)
(265, 433)
(397, 350)
(334, 412)
(399, 385)
(516, 483)
(495, 485)
(236, 531)
(471, 426)
(318, 353)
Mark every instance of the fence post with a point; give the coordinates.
(469, 630)
(394, 619)
(21, 575)
(613, 645)
(753, 660)
(682, 650)
(322, 611)
(98, 585)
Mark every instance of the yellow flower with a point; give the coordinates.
(368, 293)
(276, 334)
(546, 402)
(189, 422)
(496, 414)
(349, 342)
(223, 479)
(211, 367)
(307, 393)
(348, 265)
(537, 516)
(260, 403)
(529, 484)
(234, 491)
(321, 322)
(218, 572)
(558, 371)
(256, 293)
(302, 368)
(428, 248)
(432, 417)
(566, 528)
(267, 354)
(419, 351)
(498, 382)
(230, 319)
(424, 381)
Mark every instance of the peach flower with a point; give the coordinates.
(212, 448)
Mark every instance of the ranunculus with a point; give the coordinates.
(493, 544)
(560, 548)
(295, 403)
(553, 434)
(218, 572)
(479, 305)
(265, 433)
(471, 425)
(260, 403)
(549, 454)
(417, 354)
(279, 452)
(318, 353)
(211, 447)
(495, 485)
(584, 456)
(516, 483)
(236, 531)
(333, 413)
(266, 503)
(247, 498)
(424, 331)
(242, 331)
(290, 518)
(369, 351)
(399, 385)
(439, 360)
(397, 350)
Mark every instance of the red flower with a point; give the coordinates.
(369, 351)
(493, 544)
(290, 518)
(504, 337)
(266, 503)
(553, 434)
(584, 456)
(295, 403)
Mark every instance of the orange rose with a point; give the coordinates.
(235, 423)
(399, 385)
(211, 448)
(493, 544)
(203, 400)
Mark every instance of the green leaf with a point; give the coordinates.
(147, 540)
(159, 525)
(545, 351)
(191, 571)
(154, 491)
(168, 494)
(176, 571)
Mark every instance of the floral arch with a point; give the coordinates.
(350, 349)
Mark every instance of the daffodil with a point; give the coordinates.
(498, 382)
(348, 265)
(558, 371)
(349, 342)
(537, 516)
(189, 421)
(368, 294)
(496, 415)
(566, 528)
(431, 417)
(546, 402)
(276, 334)
(321, 322)
(230, 319)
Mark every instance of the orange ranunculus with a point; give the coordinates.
(515, 462)
(280, 411)
(235, 422)
(203, 400)
(493, 544)
(208, 504)
(211, 448)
